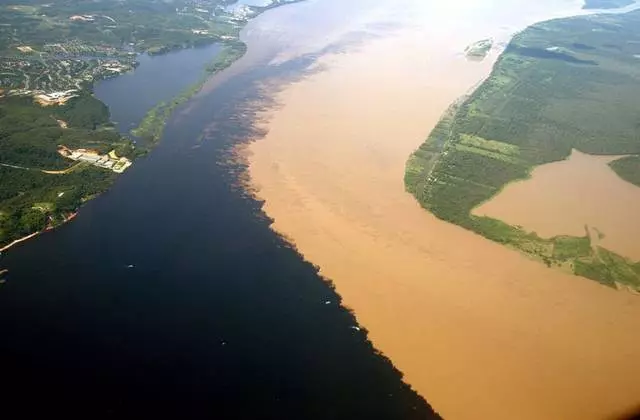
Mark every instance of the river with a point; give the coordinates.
(131, 95)
(479, 329)
(169, 295)
(172, 294)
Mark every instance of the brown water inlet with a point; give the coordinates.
(562, 198)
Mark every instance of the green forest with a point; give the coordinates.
(560, 85)
(148, 25)
(29, 138)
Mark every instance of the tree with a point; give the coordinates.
(32, 220)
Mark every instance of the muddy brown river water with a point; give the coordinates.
(562, 197)
(479, 330)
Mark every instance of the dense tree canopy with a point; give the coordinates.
(30, 136)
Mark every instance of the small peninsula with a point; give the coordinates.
(560, 85)
(628, 168)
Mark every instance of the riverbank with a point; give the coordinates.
(152, 125)
(480, 330)
(148, 133)
(551, 75)
(17, 241)
(65, 219)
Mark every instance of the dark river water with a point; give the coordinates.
(169, 295)
(158, 78)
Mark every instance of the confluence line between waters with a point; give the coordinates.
(153, 123)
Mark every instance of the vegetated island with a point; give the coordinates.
(58, 147)
(479, 50)
(560, 85)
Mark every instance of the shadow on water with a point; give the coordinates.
(631, 415)
(171, 295)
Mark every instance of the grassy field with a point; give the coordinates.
(560, 85)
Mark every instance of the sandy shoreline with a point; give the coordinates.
(17, 241)
(479, 330)
(34, 234)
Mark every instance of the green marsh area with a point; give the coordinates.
(560, 85)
